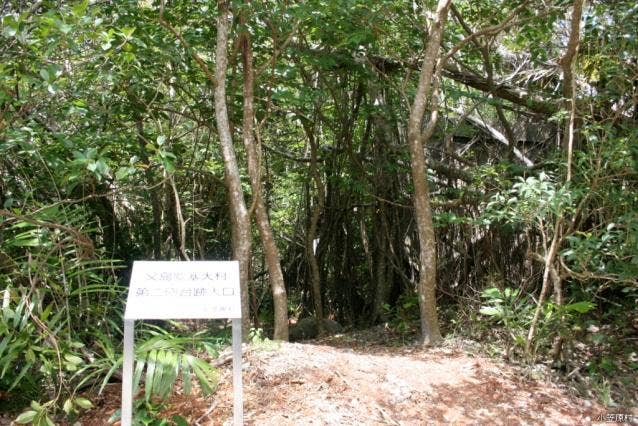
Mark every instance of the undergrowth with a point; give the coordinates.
(61, 324)
(599, 359)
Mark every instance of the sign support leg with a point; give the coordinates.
(127, 373)
(238, 408)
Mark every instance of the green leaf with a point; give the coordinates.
(22, 373)
(26, 417)
(179, 420)
(160, 370)
(127, 32)
(10, 26)
(598, 338)
(186, 376)
(83, 403)
(491, 311)
(117, 415)
(80, 8)
(65, 28)
(150, 371)
(581, 307)
(139, 368)
(76, 360)
(68, 406)
(491, 293)
(520, 340)
(170, 367)
(205, 374)
(170, 168)
(124, 172)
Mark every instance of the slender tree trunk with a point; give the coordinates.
(383, 141)
(557, 347)
(383, 285)
(156, 204)
(239, 218)
(550, 256)
(273, 260)
(179, 223)
(568, 64)
(315, 275)
(426, 288)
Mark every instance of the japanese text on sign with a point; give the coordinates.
(179, 290)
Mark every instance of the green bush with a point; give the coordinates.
(60, 321)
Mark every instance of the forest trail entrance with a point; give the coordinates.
(343, 380)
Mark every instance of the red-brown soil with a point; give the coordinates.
(344, 380)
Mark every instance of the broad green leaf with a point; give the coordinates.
(186, 375)
(160, 371)
(10, 26)
(205, 374)
(68, 406)
(150, 372)
(139, 369)
(491, 311)
(76, 360)
(124, 172)
(170, 370)
(127, 32)
(581, 307)
(79, 9)
(491, 292)
(26, 417)
(83, 403)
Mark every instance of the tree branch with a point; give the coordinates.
(209, 74)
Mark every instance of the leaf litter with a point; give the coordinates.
(362, 379)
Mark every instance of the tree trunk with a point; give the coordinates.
(315, 275)
(383, 285)
(179, 231)
(156, 204)
(239, 218)
(426, 288)
(550, 256)
(273, 260)
(567, 63)
(383, 141)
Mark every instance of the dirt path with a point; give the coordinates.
(324, 385)
(337, 382)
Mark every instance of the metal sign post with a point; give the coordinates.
(182, 290)
(127, 373)
(238, 408)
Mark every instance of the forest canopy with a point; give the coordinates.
(442, 167)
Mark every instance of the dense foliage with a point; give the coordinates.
(111, 151)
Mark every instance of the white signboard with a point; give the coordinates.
(183, 290)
